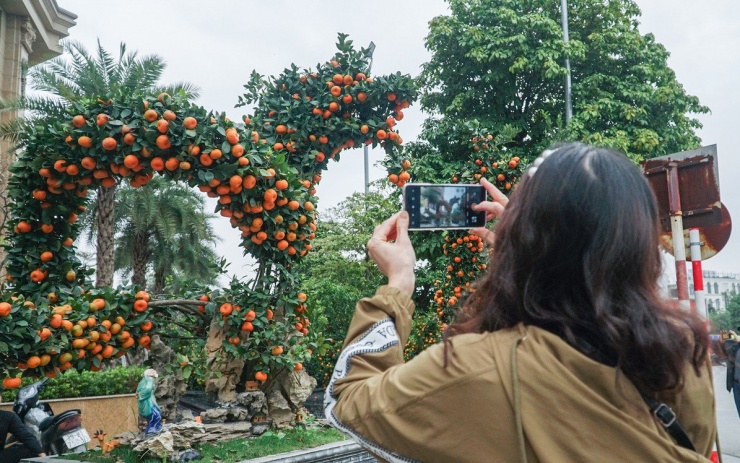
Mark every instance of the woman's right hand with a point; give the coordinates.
(493, 209)
(391, 250)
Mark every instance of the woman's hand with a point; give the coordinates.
(395, 260)
(493, 209)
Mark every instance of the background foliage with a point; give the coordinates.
(729, 319)
(71, 384)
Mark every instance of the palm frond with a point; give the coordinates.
(45, 106)
(13, 129)
(55, 77)
(144, 73)
(105, 65)
(188, 90)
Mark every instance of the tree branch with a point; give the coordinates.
(185, 302)
(186, 306)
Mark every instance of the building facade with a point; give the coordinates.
(719, 288)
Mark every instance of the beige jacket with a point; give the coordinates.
(571, 408)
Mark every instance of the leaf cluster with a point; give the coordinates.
(113, 381)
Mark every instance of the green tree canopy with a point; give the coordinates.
(501, 62)
(163, 227)
(337, 273)
(728, 319)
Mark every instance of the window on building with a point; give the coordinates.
(716, 288)
(709, 288)
(718, 306)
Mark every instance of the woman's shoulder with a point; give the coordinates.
(504, 337)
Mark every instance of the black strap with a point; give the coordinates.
(667, 418)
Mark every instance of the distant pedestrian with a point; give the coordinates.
(732, 349)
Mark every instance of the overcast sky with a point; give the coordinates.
(216, 45)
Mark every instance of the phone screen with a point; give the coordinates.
(443, 207)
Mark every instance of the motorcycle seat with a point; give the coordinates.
(52, 420)
(44, 425)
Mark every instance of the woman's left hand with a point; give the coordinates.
(397, 259)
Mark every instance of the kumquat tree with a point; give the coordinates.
(263, 172)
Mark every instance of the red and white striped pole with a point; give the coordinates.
(679, 245)
(695, 243)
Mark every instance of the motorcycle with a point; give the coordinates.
(58, 434)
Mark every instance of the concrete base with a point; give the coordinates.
(49, 460)
(337, 452)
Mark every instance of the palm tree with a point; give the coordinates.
(163, 226)
(80, 75)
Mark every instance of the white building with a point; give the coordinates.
(719, 288)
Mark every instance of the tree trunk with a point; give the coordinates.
(106, 231)
(159, 280)
(141, 256)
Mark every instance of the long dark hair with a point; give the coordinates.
(576, 253)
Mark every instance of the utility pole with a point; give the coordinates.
(568, 103)
(371, 48)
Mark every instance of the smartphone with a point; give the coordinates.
(443, 206)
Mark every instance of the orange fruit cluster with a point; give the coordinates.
(465, 253)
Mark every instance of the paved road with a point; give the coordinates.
(728, 421)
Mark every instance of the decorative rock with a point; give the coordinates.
(215, 415)
(238, 414)
(286, 395)
(160, 445)
(187, 433)
(227, 414)
(224, 370)
(217, 432)
(177, 438)
(186, 414)
(261, 427)
(254, 401)
(280, 410)
(190, 455)
(298, 385)
(125, 438)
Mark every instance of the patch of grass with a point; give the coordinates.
(232, 451)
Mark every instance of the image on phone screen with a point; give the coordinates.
(433, 207)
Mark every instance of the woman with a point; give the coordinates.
(556, 352)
